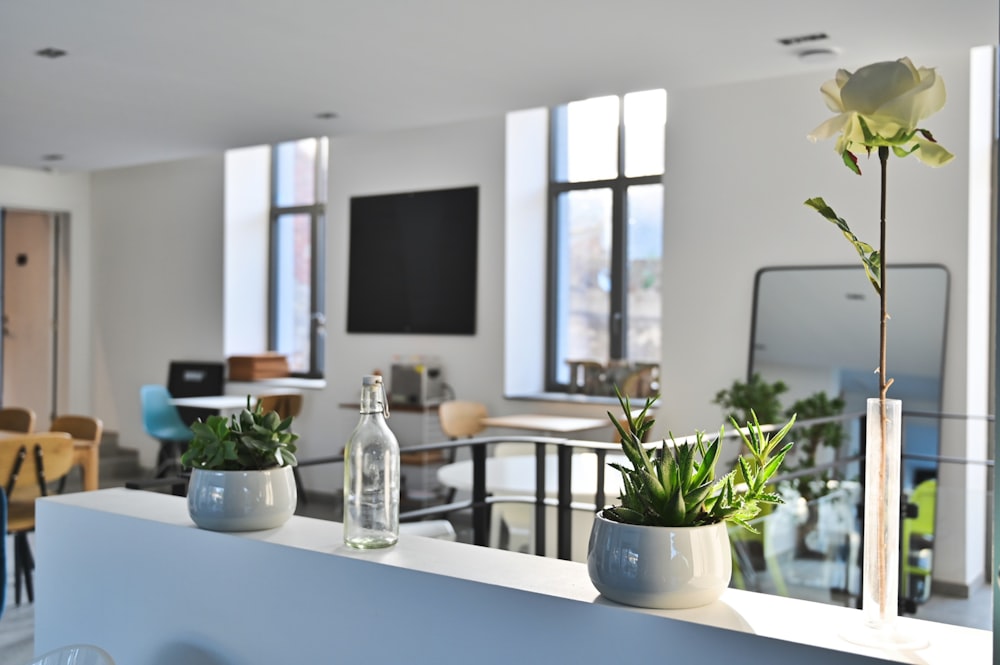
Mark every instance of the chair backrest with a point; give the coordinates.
(460, 418)
(17, 419)
(20, 457)
(925, 497)
(79, 427)
(159, 416)
(286, 405)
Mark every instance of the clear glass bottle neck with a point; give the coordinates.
(372, 399)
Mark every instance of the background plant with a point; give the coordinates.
(809, 439)
(675, 485)
(250, 440)
(741, 400)
(756, 395)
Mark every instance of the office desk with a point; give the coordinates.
(540, 422)
(214, 402)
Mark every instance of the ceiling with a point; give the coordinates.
(154, 80)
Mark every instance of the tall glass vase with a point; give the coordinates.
(880, 570)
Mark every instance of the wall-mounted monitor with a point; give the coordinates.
(413, 262)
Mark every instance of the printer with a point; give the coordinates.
(418, 384)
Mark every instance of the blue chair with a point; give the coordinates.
(162, 422)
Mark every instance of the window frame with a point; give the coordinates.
(619, 186)
(317, 277)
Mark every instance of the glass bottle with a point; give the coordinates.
(371, 474)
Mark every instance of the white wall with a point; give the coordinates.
(457, 155)
(158, 256)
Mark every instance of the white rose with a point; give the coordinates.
(888, 99)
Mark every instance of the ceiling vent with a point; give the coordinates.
(50, 52)
(802, 39)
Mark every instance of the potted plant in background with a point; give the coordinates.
(760, 397)
(241, 471)
(811, 439)
(667, 544)
(755, 395)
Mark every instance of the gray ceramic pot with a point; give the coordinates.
(659, 567)
(241, 500)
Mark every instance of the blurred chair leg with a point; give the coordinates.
(299, 487)
(24, 564)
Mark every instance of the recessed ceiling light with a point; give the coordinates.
(50, 52)
(822, 54)
(326, 115)
(53, 157)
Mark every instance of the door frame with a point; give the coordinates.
(59, 248)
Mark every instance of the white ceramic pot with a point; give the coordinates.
(657, 566)
(241, 500)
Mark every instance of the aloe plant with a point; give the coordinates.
(675, 485)
(250, 440)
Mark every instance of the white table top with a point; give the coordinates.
(515, 474)
(540, 422)
(234, 400)
(217, 402)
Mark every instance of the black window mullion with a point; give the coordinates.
(619, 265)
(317, 303)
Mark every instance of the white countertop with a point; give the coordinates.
(784, 619)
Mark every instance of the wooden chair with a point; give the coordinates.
(461, 418)
(29, 464)
(86, 432)
(17, 419)
(286, 406)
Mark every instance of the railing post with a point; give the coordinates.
(599, 498)
(480, 509)
(540, 498)
(564, 542)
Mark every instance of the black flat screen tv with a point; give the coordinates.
(412, 262)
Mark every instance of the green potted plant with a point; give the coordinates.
(755, 395)
(241, 471)
(667, 544)
(811, 439)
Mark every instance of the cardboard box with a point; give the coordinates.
(258, 366)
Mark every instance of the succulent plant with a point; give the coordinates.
(250, 440)
(675, 484)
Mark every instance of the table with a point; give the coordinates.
(231, 401)
(540, 422)
(514, 475)
(214, 402)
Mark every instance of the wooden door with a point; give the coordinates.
(29, 311)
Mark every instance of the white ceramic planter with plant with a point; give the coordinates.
(241, 471)
(667, 545)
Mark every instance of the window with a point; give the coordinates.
(606, 230)
(296, 302)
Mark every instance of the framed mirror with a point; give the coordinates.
(817, 328)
